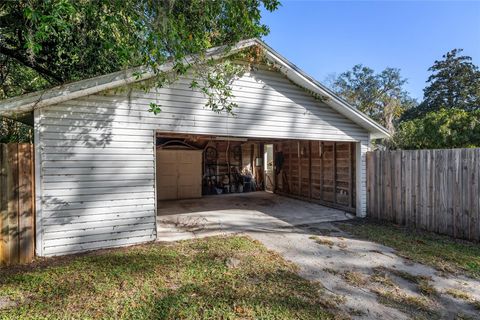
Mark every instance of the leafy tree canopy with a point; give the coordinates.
(380, 95)
(454, 83)
(59, 41)
(47, 43)
(445, 128)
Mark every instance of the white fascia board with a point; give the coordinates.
(29, 102)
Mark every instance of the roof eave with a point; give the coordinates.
(18, 106)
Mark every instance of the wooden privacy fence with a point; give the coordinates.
(16, 203)
(434, 190)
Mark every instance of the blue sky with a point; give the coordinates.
(328, 37)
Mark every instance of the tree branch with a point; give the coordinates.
(13, 54)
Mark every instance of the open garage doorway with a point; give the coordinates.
(197, 166)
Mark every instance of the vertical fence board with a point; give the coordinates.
(403, 186)
(16, 203)
(392, 188)
(464, 192)
(422, 186)
(398, 188)
(370, 182)
(457, 199)
(477, 201)
(378, 186)
(472, 234)
(381, 186)
(406, 190)
(3, 205)
(441, 196)
(435, 190)
(426, 192)
(431, 193)
(12, 193)
(439, 187)
(387, 187)
(25, 203)
(413, 199)
(450, 198)
(417, 190)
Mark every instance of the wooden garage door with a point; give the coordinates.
(179, 174)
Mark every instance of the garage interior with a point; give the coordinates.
(195, 166)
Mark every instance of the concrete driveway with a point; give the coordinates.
(306, 234)
(233, 213)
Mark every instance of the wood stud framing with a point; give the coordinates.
(318, 171)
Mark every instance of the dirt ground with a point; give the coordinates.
(370, 280)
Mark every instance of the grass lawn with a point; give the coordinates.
(441, 252)
(212, 278)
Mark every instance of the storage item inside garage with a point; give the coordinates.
(178, 174)
(222, 166)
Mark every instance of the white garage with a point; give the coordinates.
(104, 163)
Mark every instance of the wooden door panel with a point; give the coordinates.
(179, 174)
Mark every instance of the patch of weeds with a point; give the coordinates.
(426, 288)
(332, 301)
(462, 295)
(423, 282)
(323, 241)
(458, 294)
(381, 276)
(354, 278)
(441, 252)
(413, 305)
(331, 271)
(417, 279)
(338, 299)
(321, 231)
(357, 312)
(342, 245)
(462, 316)
(476, 304)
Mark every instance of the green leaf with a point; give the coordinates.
(154, 108)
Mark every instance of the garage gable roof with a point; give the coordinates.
(17, 107)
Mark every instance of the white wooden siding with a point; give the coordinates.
(97, 165)
(361, 177)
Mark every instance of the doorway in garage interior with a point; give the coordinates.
(193, 166)
(268, 168)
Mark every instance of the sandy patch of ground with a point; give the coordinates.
(370, 280)
(374, 281)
